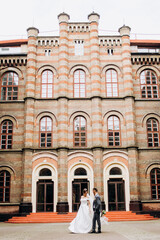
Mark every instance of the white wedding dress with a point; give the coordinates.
(83, 221)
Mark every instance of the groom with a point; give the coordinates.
(96, 210)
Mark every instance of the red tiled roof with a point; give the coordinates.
(15, 42)
(143, 42)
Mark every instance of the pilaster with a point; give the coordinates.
(62, 205)
(128, 86)
(94, 58)
(63, 54)
(26, 205)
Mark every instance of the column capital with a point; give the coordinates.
(124, 30)
(32, 32)
(63, 17)
(94, 17)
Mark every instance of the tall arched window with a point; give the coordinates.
(153, 132)
(155, 183)
(9, 86)
(5, 178)
(6, 134)
(111, 83)
(79, 84)
(80, 132)
(47, 84)
(113, 131)
(149, 84)
(46, 132)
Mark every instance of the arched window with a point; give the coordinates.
(149, 84)
(80, 172)
(79, 84)
(47, 84)
(111, 83)
(115, 171)
(153, 132)
(80, 132)
(6, 134)
(113, 131)
(155, 183)
(45, 172)
(46, 132)
(9, 86)
(5, 178)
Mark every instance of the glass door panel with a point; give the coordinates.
(40, 197)
(76, 196)
(45, 197)
(49, 197)
(77, 191)
(116, 195)
(112, 196)
(120, 192)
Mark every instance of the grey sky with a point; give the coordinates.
(17, 15)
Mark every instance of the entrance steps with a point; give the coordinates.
(50, 217)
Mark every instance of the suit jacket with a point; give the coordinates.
(97, 203)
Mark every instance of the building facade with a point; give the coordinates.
(79, 110)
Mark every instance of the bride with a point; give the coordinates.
(83, 221)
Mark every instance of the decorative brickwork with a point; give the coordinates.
(112, 82)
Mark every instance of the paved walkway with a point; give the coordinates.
(148, 230)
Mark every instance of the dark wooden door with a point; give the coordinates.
(77, 191)
(116, 195)
(45, 196)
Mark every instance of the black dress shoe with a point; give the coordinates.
(99, 232)
(92, 232)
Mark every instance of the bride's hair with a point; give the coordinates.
(85, 190)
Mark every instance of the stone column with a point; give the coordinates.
(95, 81)
(130, 117)
(128, 86)
(63, 54)
(98, 173)
(95, 60)
(26, 205)
(135, 203)
(96, 102)
(62, 205)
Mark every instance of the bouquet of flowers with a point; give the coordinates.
(103, 213)
(104, 220)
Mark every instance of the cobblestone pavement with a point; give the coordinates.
(149, 230)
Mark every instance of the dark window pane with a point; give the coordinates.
(4, 186)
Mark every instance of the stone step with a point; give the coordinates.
(67, 218)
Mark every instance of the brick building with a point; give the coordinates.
(79, 110)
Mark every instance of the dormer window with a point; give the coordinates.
(47, 52)
(79, 47)
(110, 51)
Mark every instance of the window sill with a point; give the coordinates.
(150, 201)
(11, 101)
(9, 204)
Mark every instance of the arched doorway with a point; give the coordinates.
(80, 176)
(45, 191)
(78, 185)
(116, 190)
(116, 187)
(44, 188)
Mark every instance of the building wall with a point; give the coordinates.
(133, 155)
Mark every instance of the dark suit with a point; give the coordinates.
(96, 209)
